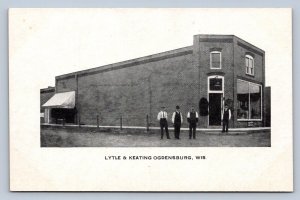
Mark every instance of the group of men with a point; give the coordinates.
(192, 119)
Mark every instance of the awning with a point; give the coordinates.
(61, 100)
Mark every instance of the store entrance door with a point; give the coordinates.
(215, 106)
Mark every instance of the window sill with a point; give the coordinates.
(248, 120)
(251, 75)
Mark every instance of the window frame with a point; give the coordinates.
(215, 52)
(208, 84)
(248, 68)
(249, 109)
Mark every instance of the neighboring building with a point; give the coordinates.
(45, 95)
(215, 70)
(268, 106)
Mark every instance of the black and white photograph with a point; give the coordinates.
(150, 99)
(212, 93)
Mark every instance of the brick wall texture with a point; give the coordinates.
(137, 88)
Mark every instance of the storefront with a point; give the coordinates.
(214, 71)
(60, 108)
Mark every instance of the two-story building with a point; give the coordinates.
(215, 70)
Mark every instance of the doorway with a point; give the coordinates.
(63, 113)
(215, 95)
(215, 106)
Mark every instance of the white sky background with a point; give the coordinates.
(68, 40)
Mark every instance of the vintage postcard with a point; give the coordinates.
(150, 99)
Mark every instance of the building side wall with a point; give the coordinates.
(240, 53)
(241, 49)
(137, 91)
(66, 85)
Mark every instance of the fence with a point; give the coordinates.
(115, 120)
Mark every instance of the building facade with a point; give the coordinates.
(214, 71)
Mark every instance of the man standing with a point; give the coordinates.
(177, 120)
(192, 118)
(162, 117)
(226, 116)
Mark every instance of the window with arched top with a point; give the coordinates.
(249, 65)
(215, 60)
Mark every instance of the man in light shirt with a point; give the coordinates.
(192, 118)
(177, 120)
(162, 117)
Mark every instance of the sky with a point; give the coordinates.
(52, 42)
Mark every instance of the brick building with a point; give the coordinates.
(215, 70)
(45, 95)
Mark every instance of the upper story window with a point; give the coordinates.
(249, 65)
(215, 60)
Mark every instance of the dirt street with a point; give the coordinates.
(65, 137)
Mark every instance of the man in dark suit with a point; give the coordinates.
(177, 120)
(226, 116)
(192, 118)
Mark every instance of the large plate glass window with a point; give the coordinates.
(249, 98)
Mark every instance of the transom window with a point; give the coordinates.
(215, 84)
(215, 60)
(249, 65)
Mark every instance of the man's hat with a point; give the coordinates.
(163, 106)
(177, 107)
